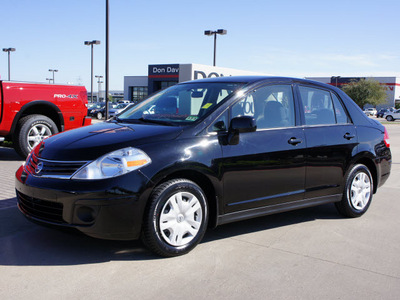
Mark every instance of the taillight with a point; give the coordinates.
(386, 138)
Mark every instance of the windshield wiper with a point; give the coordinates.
(155, 121)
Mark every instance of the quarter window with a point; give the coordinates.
(341, 116)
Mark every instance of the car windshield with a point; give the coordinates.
(98, 105)
(180, 104)
(121, 105)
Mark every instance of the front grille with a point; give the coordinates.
(41, 209)
(52, 169)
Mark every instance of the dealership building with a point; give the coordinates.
(392, 86)
(161, 76)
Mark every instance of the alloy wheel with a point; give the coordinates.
(37, 134)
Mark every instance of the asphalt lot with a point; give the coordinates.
(307, 254)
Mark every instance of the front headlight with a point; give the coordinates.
(113, 164)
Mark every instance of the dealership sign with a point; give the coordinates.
(163, 70)
(201, 74)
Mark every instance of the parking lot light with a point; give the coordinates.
(53, 71)
(210, 32)
(91, 43)
(8, 50)
(99, 82)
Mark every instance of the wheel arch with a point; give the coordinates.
(40, 107)
(369, 163)
(205, 183)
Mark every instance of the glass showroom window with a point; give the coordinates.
(139, 93)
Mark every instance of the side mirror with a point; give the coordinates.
(243, 124)
(239, 125)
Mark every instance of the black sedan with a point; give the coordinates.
(99, 110)
(212, 151)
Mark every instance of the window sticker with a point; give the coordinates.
(207, 105)
(191, 118)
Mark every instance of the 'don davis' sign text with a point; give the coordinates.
(163, 70)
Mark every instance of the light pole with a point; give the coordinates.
(53, 70)
(99, 77)
(210, 32)
(336, 79)
(107, 75)
(9, 50)
(49, 79)
(91, 43)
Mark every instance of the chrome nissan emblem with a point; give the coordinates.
(39, 168)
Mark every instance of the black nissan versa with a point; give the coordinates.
(204, 153)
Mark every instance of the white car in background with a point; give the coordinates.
(392, 115)
(370, 112)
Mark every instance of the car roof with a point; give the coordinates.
(255, 79)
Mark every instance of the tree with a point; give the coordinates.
(366, 92)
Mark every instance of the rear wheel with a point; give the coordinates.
(176, 219)
(358, 192)
(31, 130)
(389, 118)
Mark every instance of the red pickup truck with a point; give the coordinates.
(30, 112)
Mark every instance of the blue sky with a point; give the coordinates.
(285, 38)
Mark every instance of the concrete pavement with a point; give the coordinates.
(9, 163)
(307, 254)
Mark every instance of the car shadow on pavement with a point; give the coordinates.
(23, 243)
(9, 154)
(321, 212)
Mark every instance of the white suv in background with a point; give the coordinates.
(370, 112)
(392, 115)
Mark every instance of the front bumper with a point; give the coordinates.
(108, 209)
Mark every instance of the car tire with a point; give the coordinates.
(389, 118)
(31, 130)
(176, 218)
(99, 116)
(357, 195)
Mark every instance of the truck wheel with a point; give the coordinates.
(31, 130)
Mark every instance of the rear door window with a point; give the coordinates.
(322, 107)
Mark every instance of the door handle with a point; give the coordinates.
(294, 141)
(349, 136)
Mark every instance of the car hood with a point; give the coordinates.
(91, 142)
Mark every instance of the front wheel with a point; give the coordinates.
(357, 195)
(176, 219)
(99, 116)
